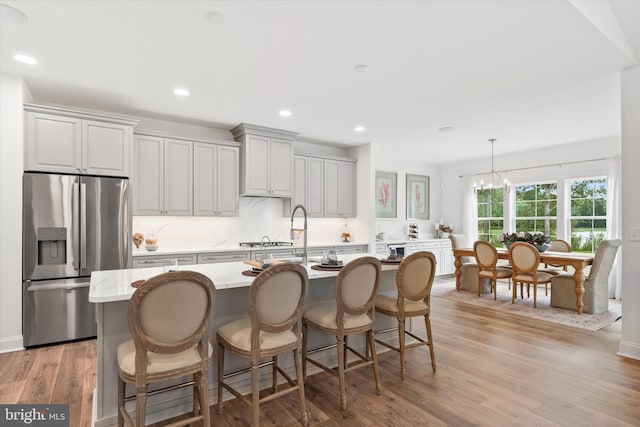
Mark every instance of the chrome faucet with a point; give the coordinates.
(262, 248)
(293, 230)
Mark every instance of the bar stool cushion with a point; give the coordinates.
(157, 362)
(238, 334)
(325, 315)
(388, 301)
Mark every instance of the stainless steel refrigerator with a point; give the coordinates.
(72, 225)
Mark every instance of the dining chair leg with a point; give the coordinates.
(220, 376)
(514, 293)
(401, 343)
(343, 397)
(274, 374)
(141, 405)
(534, 294)
(346, 344)
(255, 394)
(546, 290)
(374, 357)
(300, 380)
(121, 391)
(196, 393)
(495, 289)
(204, 399)
(479, 284)
(427, 323)
(305, 331)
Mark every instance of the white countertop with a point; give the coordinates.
(115, 285)
(235, 248)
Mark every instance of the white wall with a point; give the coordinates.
(11, 167)
(389, 159)
(630, 88)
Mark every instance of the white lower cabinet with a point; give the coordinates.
(159, 260)
(441, 248)
(215, 257)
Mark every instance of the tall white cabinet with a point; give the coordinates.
(266, 160)
(163, 176)
(339, 188)
(67, 141)
(215, 180)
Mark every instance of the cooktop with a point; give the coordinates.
(265, 244)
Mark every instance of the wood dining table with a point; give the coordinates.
(574, 259)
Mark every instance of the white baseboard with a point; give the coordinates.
(11, 344)
(629, 349)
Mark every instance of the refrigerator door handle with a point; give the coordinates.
(83, 225)
(76, 228)
(65, 286)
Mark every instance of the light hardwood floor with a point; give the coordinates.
(493, 370)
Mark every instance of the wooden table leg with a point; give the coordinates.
(458, 263)
(579, 278)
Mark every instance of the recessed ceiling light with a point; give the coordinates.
(360, 129)
(10, 14)
(361, 68)
(446, 129)
(181, 92)
(26, 59)
(215, 18)
(285, 113)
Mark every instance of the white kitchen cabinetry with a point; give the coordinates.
(326, 187)
(214, 257)
(163, 176)
(339, 188)
(67, 141)
(215, 180)
(266, 161)
(159, 260)
(441, 248)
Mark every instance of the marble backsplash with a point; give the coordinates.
(259, 216)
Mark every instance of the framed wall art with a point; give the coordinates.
(386, 194)
(417, 196)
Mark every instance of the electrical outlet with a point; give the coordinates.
(634, 234)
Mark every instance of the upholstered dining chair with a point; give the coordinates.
(276, 299)
(169, 323)
(557, 245)
(596, 294)
(414, 280)
(352, 312)
(487, 259)
(469, 268)
(525, 259)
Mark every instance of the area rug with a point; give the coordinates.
(524, 307)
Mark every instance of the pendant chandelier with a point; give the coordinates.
(493, 180)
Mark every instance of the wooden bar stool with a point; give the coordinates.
(276, 299)
(354, 290)
(414, 279)
(169, 323)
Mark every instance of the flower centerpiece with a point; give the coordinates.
(539, 240)
(444, 230)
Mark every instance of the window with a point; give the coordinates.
(588, 220)
(536, 208)
(490, 215)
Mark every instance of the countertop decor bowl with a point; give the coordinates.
(151, 248)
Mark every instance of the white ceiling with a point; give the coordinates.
(529, 73)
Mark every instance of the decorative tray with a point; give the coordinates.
(390, 261)
(327, 267)
(252, 273)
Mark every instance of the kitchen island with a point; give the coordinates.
(111, 291)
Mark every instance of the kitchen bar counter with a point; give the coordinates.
(111, 291)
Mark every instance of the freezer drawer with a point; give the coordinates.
(55, 311)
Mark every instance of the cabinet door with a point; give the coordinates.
(178, 177)
(331, 188)
(205, 165)
(300, 167)
(281, 168)
(315, 187)
(148, 175)
(347, 189)
(53, 143)
(256, 166)
(228, 181)
(106, 148)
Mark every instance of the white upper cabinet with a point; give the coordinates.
(163, 176)
(266, 161)
(215, 180)
(326, 187)
(67, 141)
(339, 188)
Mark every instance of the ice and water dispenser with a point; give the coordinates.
(52, 246)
